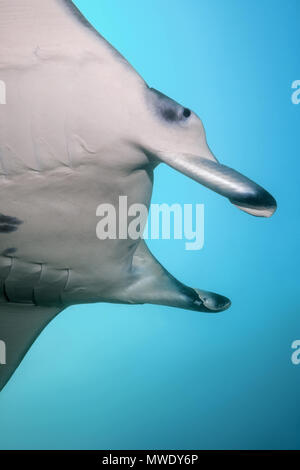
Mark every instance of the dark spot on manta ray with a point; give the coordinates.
(9, 224)
(7, 219)
(169, 114)
(9, 251)
(5, 228)
(168, 109)
(187, 112)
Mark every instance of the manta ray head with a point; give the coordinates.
(178, 138)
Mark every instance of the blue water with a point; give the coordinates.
(129, 377)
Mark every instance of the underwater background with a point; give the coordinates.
(151, 377)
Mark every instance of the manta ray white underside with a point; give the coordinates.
(81, 127)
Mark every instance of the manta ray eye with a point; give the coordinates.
(169, 110)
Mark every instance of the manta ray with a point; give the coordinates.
(80, 127)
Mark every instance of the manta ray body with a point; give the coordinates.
(80, 127)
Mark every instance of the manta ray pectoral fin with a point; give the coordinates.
(152, 283)
(20, 325)
(240, 190)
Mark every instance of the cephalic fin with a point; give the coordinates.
(240, 190)
(151, 283)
